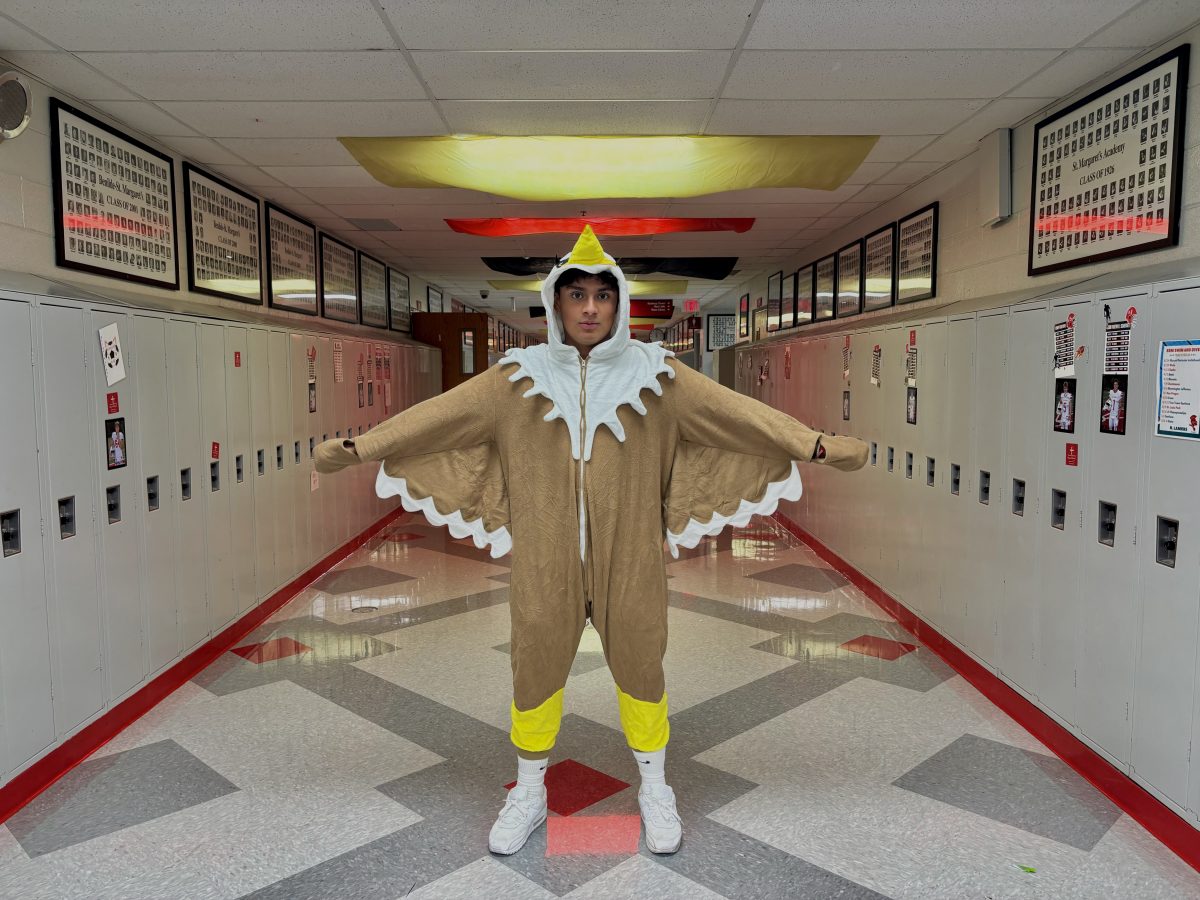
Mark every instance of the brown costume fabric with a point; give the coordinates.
(484, 449)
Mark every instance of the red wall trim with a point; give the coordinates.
(1155, 816)
(62, 759)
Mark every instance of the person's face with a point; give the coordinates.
(587, 309)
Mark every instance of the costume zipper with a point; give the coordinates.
(582, 463)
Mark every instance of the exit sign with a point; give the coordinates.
(691, 306)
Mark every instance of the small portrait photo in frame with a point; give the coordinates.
(116, 449)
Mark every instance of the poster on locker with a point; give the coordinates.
(110, 353)
(876, 363)
(1177, 413)
(1064, 405)
(114, 201)
(1064, 348)
(911, 410)
(845, 406)
(1114, 391)
(116, 448)
(1116, 348)
(223, 238)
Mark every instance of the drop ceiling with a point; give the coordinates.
(259, 92)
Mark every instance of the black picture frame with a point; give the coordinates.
(190, 236)
(788, 314)
(116, 450)
(1045, 156)
(399, 295)
(849, 280)
(824, 281)
(802, 313)
(62, 202)
(430, 293)
(912, 258)
(724, 320)
(324, 240)
(362, 294)
(874, 273)
(774, 302)
(274, 300)
(744, 316)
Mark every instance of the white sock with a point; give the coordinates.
(652, 766)
(531, 773)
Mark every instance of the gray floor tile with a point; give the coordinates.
(1037, 793)
(357, 578)
(806, 578)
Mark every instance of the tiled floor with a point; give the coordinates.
(356, 746)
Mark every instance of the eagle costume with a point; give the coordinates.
(584, 468)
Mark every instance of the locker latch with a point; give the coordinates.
(908, 464)
(279, 456)
(930, 471)
(955, 478)
(214, 475)
(985, 487)
(66, 517)
(152, 493)
(262, 462)
(185, 483)
(874, 453)
(112, 498)
(1168, 541)
(239, 468)
(297, 449)
(1018, 497)
(10, 532)
(891, 458)
(1058, 509)
(1107, 530)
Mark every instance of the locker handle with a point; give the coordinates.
(908, 464)
(185, 483)
(874, 453)
(312, 444)
(10, 532)
(239, 468)
(112, 499)
(66, 518)
(262, 462)
(1018, 497)
(955, 478)
(214, 475)
(279, 456)
(1058, 509)
(1168, 541)
(891, 458)
(930, 471)
(1107, 526)
(152, 493)
(297, 449)
(985, 487)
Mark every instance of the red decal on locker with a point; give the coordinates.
(216, 450)
(1070, 320)
(114, 404)
(1072, 454)
(847, 342)
(237, 359)
(1131, 314)
(912, 338)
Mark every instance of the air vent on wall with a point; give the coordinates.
(14, 106)
(374, 224)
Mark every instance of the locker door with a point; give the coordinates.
(241, 467)
(1109, 572)
(327, 501)
(217, 478)
(72, 448)
(280, 460)
(1029, 418)
(306, 508)
(891, 452)
(188, 480)
(951, 539)
(985, 521)
(866, 410)
(26, 708)
(1164, 695)
(120, 514)
(1058, 600)
(262, 464)
(159, 498)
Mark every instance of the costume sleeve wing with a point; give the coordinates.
(737, 458)
(440, 458)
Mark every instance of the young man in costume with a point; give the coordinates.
(581, 456)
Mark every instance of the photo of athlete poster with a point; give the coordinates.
(1064, 405)
(1114, 394)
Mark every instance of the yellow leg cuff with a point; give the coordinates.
(535, 730)
(645, 724)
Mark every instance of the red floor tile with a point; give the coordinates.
(572, 786)
(277, 648)
(869, 645)
(593, 836)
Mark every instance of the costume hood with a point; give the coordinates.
(587, 256)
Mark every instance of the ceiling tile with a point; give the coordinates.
(898, 147)
(900, 75)
(203, 151)
(290, 151)
(15, 37)
(1151, 23)
(840, 116)
(286, 197)
(1006, 112)
(909, 173)
(754, 196)
(877, 193)
(322, 176)
(249, 176)
(762, 211)
(616, 75)
(534, 25)
(400, 196)
(884, 24)
(376, 75)
(575, 117)
(69, 75)
(171, 25)
(869, 172)
(278, 119)
(145, 117)
(1070, 72)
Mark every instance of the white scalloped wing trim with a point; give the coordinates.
(498, 542)
(791, 488)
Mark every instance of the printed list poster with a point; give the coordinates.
(1178, 411)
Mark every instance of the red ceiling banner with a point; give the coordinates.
(605, 226)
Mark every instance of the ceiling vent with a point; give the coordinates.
(14, 106)
(374, 224)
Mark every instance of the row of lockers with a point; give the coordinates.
(1067, 561)
(142, 518)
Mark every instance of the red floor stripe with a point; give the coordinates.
(1153, 815)
(58, 762)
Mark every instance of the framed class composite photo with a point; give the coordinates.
(916, 255)
(223, 237)
(849, 280)
(788, 319)
(339, 282)
(373, 291)
(1108, 170)
(114, 201)
(399, 314)
(879, 269)
(291, 262)
(824, 288)
(433, 299)
(774, 301)
(744, 316)
(804, 294)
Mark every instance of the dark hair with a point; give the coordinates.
(570, 276)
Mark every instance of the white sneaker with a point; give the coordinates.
(663, 827)
(524, 810)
